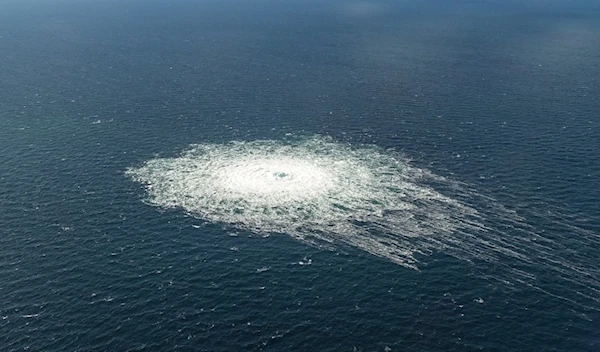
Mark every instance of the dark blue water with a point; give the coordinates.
(501, 96)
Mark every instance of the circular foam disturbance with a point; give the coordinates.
(313, 189)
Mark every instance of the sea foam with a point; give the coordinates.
(313, 189)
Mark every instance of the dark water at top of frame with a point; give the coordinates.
(503, 96)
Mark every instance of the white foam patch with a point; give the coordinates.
(331, 194)
(315, 190)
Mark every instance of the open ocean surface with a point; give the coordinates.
(499, 100)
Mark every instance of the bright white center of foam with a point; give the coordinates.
(278, 178)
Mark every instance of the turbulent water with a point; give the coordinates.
(315, 190)
(327, 193)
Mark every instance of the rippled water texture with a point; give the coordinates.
(304, 175)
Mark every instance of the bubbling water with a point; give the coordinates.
(284, 179)
(332, 194)
(315, 190)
